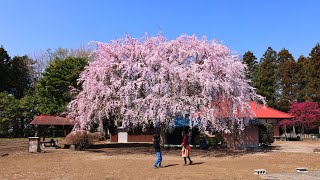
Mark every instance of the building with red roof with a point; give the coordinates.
(52, 125)
(260, 114)
(265, 112)
(249, 138)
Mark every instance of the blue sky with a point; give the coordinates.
(33, 25)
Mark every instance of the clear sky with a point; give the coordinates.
(29, 26)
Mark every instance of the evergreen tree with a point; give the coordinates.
(20, 75)
(28, 106)
(53, 89)
(16, 75)
(265, 77)
(283, 56)
(286, 79)
(313, 77)
(9, 115)
(250, 60)
(4, 77)
(302, 74)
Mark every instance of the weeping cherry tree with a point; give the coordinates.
(152, 80)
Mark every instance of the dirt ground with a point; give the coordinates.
(112, 162)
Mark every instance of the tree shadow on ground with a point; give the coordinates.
(270, 148)
(119, 145)
(147, 149)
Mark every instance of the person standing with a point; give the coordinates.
(156, 145)
(185, 148)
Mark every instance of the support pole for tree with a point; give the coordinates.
(163, 134)
(285, 132)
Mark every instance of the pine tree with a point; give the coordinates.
(313, 78)
(4, 76)
(302, 65)
(283, 56)
(20, 75)
(265, 77)
(15, 74)
(286, 79)
(250, 60)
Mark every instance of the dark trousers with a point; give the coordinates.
(185, 160)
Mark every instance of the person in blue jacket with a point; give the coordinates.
(157, 148)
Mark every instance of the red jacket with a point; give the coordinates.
(185, 142)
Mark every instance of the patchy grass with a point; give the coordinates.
(107, 161)
(316, 150)
(13, 139)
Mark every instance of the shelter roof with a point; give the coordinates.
(44, 119)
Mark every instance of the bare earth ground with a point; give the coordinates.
(110, 162)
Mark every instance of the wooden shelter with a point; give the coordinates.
(55, 124)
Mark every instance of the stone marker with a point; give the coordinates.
(34, 144)
(73, 147)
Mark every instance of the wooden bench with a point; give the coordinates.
(279, 138)
(50, 143)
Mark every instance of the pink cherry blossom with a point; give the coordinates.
(152, 79)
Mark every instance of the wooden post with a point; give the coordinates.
(285, 130)
(163, 134)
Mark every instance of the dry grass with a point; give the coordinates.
(136, 163)
(316, 150)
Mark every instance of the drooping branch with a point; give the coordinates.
(153, 79)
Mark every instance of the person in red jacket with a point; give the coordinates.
(185, 149)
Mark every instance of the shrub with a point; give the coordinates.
(212, 141)
(266, 134)
(81, 139)
(293, 139)
(97, 136)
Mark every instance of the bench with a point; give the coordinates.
(50, 143)
(279, 138)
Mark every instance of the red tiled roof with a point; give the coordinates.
(265, 112)
(258, 111)
(51, 120)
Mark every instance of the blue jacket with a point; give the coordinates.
(156, 145)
